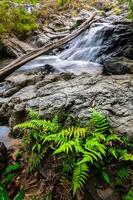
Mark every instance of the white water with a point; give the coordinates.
(81, 55)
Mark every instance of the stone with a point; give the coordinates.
(108, 194)
(76, 95)
(3, 155)
(117, 65)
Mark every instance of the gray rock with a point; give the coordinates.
(118, 65)
(112, 95)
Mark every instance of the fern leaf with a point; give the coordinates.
(100, 121)
(123, 175)
(80, 176)
(11, 168)
(113, 138)
(105, 176)
(126, 156)
(129, 195)
(33, 114)
(26, 125)
(66, 147)
(113, 151)
(3, 193)
(20, 195)
(95, 145)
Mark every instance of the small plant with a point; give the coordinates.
(129, 195)
(7, 177)
(80, 149)
(123, 176)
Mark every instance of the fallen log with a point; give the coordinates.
(7, 70)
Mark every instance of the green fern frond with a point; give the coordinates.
(33, 114)
(113, 138)
(122, 175)
(26, 125)
(99, 136)
(86, 159)
(34, 161)
(99, 121)
(113, 151)
(129, 195)
(11, 168)
(80, 176)
(126, 156)
(3, 192)
(20, 195)
(94, 144)
(73, 132)
(67, 147)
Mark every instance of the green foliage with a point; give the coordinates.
(122, 176)
(63, 2)
(80, 175)
(20, 195)
(130, 3)
(11, 168)
(7, 177)
(49, 196)
(5, 196)
(26, 1)
(15, 20)
(129, 195)
(79, 148)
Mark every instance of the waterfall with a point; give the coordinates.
(81, 54)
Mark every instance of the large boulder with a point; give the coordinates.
(76, 95)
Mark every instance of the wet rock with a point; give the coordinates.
(97, 191)
(118, 65)
(3, 155)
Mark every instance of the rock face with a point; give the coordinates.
(118, 65)
(70, 94)
(3, 155)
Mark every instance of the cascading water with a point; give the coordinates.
(80, 56)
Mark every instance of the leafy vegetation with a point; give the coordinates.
(130, 3)
(15, 19)
(7, 178)
(79, 149)
(129, 195)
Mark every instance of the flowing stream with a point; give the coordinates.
(4, 135)
(81, 54)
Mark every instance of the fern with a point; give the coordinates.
(113, 152)
(129, 195)
(78, 148)
(11, 168)
(20, 195)
(80, 176)
(3, 192)
(99, 121)
(126, 156)
(5, 196)
(122, 175)
(34, 161)
(33, 115)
